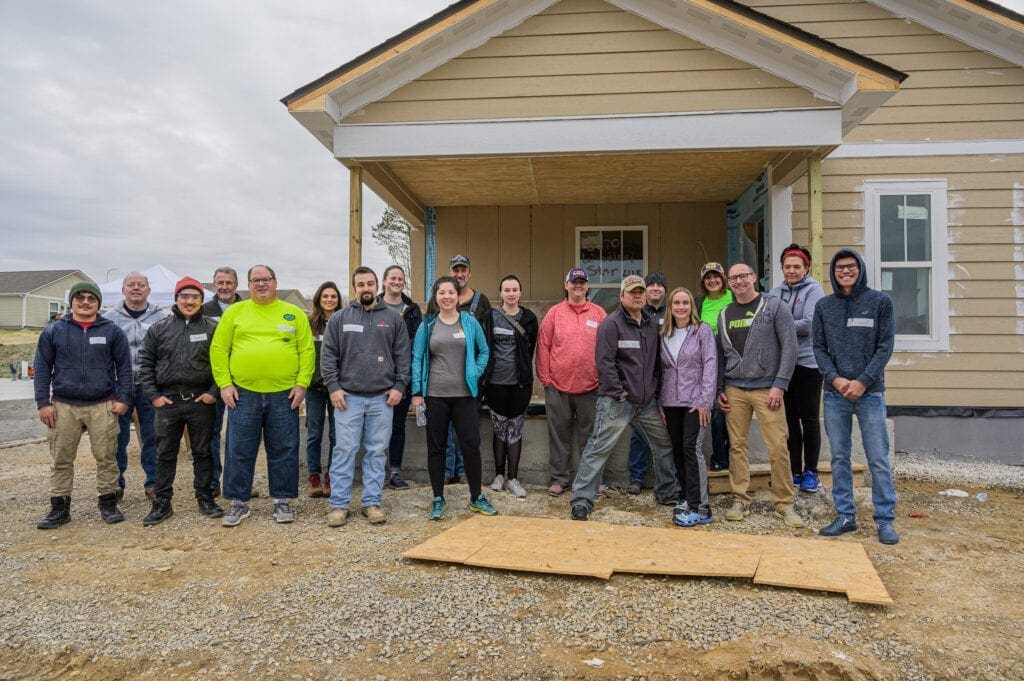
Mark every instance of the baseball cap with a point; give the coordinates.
(712, 267)
(631, 282)
(458, 260)
(577, 273)
(656, 277)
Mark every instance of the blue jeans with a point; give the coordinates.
(637, 456)
(611, 418)
(147, 430)
(454, 466)
(396, 447)
(318, 402)
(870, 411)
(270, 417)
(218, 423)
(365, 421)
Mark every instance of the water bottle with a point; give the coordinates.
(421, 416)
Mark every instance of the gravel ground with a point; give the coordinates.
(190, 599)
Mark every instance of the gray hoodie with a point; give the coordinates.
(769, 355)
(801, 298)
(135, 328)
(366, 352)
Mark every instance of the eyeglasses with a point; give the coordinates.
(740, 277)
(852, 267)
(190, 296)
(261, 281)
(86, 298)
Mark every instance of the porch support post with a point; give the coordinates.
(815, 223)
(429, 250)
(355, 218)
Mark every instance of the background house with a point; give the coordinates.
(32, 299)
(633, 135)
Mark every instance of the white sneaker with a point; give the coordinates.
(515, 489)
(499, 483)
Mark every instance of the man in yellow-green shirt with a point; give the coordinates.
(262, 356)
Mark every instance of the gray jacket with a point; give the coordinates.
(801, 298)
(769, 355)
(135, 329)
(366, 352)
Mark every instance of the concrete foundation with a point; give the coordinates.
(962, 438)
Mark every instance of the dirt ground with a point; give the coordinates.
(956, 578)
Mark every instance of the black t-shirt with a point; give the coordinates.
(135, 314)
(738, 318)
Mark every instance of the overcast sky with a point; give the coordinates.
(138, 133)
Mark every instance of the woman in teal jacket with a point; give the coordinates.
(449, 355)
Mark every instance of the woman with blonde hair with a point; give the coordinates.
(689, 373)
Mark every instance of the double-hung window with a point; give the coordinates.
(608, 255)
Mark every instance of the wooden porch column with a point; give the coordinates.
(355, 219)
(815, 223)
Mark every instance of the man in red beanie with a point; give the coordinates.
(175, 375)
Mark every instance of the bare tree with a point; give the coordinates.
(395, 233)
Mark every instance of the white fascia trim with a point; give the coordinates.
(825, 80)
(966, 26)
(947, 148)
(455, 40)
(733, 130)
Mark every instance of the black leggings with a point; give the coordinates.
(803, 400)
(683, 427)
(463, 413)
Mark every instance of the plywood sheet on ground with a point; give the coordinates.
(761, 475)
(596, 549)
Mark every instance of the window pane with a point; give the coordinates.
(590, 255)
(611, 256)
(890, 211)
(919, 234)
(910, 290)
(632, 252)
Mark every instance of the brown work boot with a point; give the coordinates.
(337, 517)
(316, 488)
(151, 493)
(375, 514)
(327, 484)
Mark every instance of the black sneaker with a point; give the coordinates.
(580, 512)
(60, 513)
(209, 508)
(161, 511)
(108, 508)
(396, 482)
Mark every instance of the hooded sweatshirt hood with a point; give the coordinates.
(862, 279)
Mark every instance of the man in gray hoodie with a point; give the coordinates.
(757, 350)
(365, 362)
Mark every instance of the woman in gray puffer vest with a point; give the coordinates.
(803, 398)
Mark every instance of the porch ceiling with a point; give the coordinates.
(569, 179)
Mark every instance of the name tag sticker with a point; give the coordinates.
(864, 322)
(592, 324)
(97, 340)
(498, 331)
(355, 328)
(629, 344)
(286, 328)
(459, 334)
(380, 358)
(319, 338)
(197, 337)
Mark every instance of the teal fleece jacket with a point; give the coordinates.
(477, 353)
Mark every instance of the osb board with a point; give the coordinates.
(761, 475)
(597, 550)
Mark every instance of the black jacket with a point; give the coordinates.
(628, 357)
(524, 346)
(211, 308)
(175, 356)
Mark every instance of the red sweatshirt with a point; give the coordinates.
(565, 347)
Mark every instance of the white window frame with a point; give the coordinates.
(612, 228)
(938, 340)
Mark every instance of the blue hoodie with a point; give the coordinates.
(853, 334)
(82, 366)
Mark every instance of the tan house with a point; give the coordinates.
(33, 299)
(632, 135)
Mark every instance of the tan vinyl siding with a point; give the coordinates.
(537, 243)
(954, 91)
(985, 236)
(10, 312)
(585, 57)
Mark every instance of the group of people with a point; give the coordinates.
(666, 365)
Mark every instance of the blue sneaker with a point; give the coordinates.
(797, 480)
(841, 525)
(704, 519)
(437, 508)
(482, 506)
(690, 519)
(886, 533)
(809, 482)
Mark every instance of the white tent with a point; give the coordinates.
(161, 282)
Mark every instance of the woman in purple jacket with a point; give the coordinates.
(689, 372)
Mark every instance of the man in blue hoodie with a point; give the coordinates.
(853, 332)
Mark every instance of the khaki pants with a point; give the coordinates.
(102, 427)
(743, 404)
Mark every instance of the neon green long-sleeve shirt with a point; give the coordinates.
(263, 348)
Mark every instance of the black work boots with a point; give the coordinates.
(161, 511)
(108, 508)
(60, 513)
(209, 508)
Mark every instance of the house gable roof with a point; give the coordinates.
(32, 280)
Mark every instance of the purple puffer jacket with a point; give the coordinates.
(688, 380)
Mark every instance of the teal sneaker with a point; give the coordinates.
(437, 508)
(481, 505)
